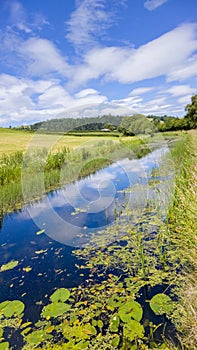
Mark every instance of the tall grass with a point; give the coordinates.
(182, 226)
(44, 171)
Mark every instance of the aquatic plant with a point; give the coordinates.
(9, 266)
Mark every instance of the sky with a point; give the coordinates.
(84, 58)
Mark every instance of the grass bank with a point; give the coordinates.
(182, 227)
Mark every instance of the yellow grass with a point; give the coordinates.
(18, 140)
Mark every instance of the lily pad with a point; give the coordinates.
(12, 308)
(131, 310)
(9, 266)
(4, 346)
(161, 304)
(133, 330)
(62, 294)
(1, 332)
(114, 324)
(55, 309)
(89, 329)
(27, 269)
(115, 342)
(37, 337)
(40, 232)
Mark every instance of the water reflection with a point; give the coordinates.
(83, 207)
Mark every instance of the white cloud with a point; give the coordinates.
(141, 91)
(127, 65)
(158, 57)
(87, 22)
(86, 92)
(185, 70)
(153, 4)
(185, 99)
(43, 57)
(180, 90)
(21, 20)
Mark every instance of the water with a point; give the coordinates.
(68, 216)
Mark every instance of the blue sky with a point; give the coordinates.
(80, 58)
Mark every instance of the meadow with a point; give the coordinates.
(12, 140)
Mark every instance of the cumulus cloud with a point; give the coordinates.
(43, 57)
(153, 4)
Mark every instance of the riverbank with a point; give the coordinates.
(182, 226)
(25, 177)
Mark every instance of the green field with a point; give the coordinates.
(12, 140)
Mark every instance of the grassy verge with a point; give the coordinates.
(182, 225)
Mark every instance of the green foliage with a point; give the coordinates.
(12, 308)
(1, 332)
(4, 346)
(37, 337)
(161, 304)
(135, 125)
(114, 323)
(80, 124)
(133, 330)
(130, 310)
(55, 309)
(9, 266)
(60, 295)
(191, 116)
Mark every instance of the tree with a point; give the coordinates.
(191, 115)
(136, 124)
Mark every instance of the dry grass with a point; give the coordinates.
(18, 140)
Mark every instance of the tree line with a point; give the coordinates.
(129, 125)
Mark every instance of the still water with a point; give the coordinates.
(67, 217)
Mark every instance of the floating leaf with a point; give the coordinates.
(62, 294)
(40, 232)
(115, 342)
(89, 329)
(130, 310)
(1, 332)
(40, 251)
(25, 331)
(161, 304)
(79, 332)
(12, 308)
(55, 309)
(26, 324)
(114, 301)
(37, 337)
(4, 346)
(133, 330)
(27, 269)
(114, 323)
(100, 324)
(10, 265)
